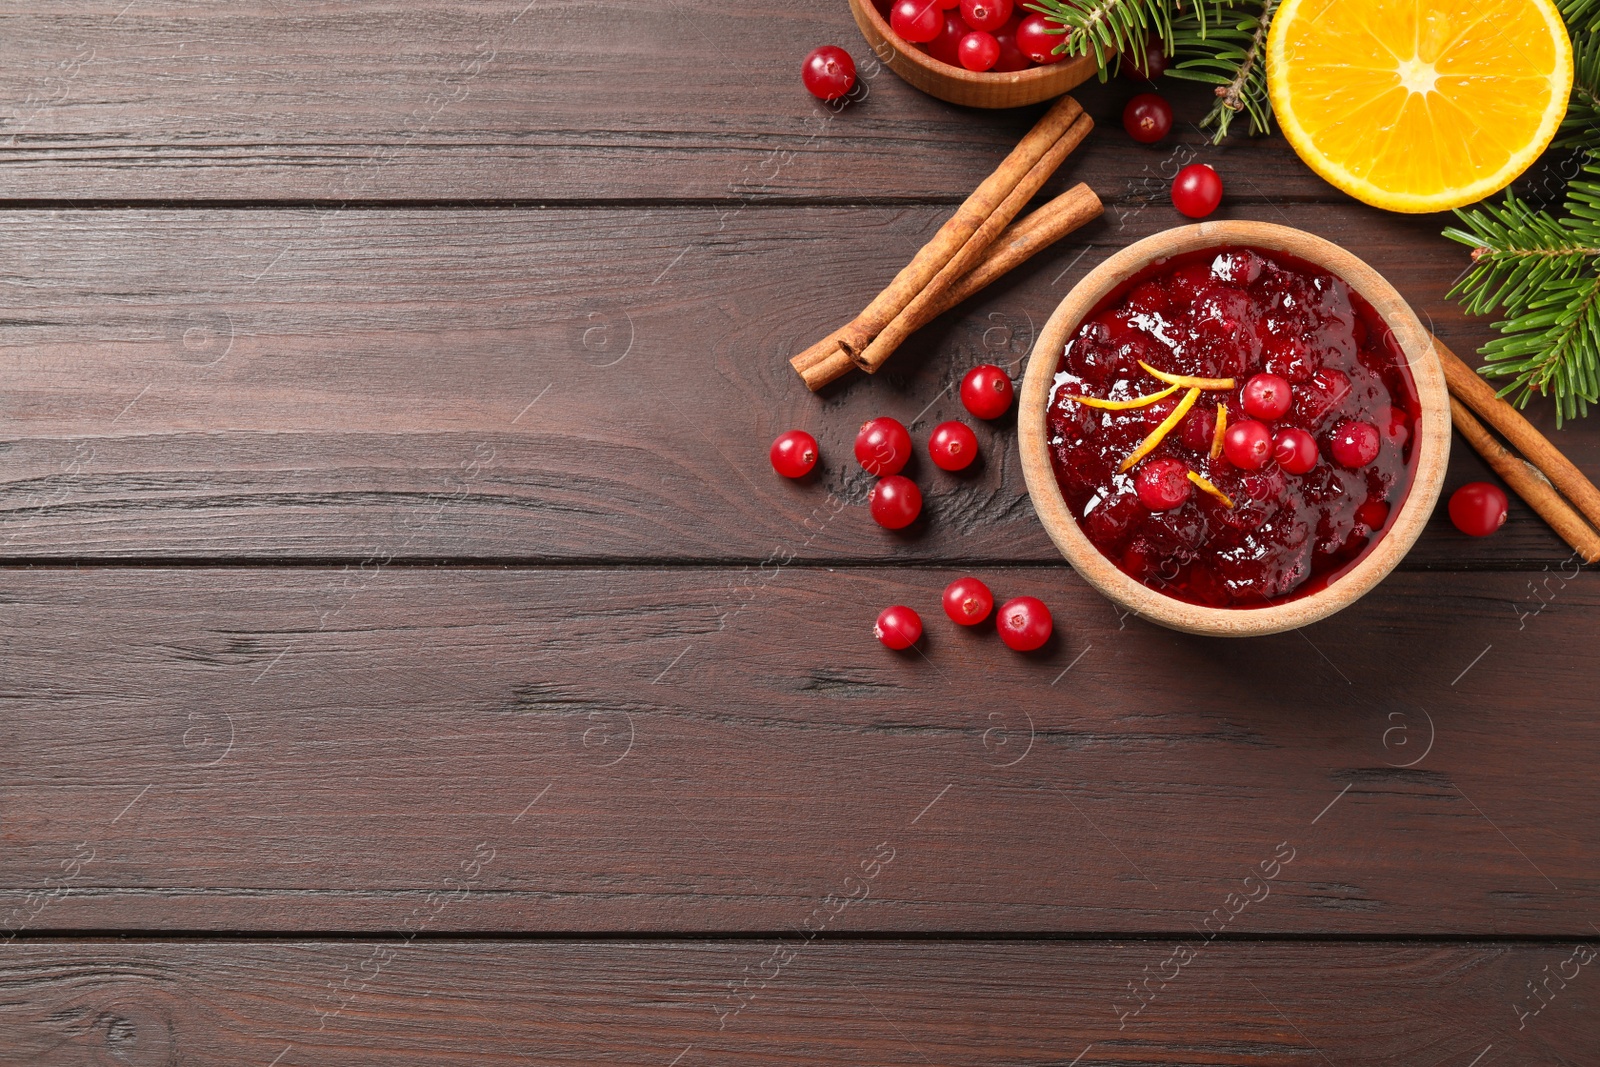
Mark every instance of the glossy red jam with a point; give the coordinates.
(1292, 521)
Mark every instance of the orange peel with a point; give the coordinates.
(1216, 438)
(1208, 487)
(1188, 380)
(1124, 405)
(1160, 432)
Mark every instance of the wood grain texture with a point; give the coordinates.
(704, 749)
(537, 385)
(573, 100)
(301, 1003)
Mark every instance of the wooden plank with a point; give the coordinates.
(491, 1003)
(565, 100)
(534, 385)
(702, 749)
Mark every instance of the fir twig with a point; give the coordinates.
(1105, 27)
(1581, 127)
(1229, 55)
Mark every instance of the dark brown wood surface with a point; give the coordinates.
(409, 657)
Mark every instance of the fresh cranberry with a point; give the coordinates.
(1011, 57)
(1247, 444)
(1163, 484)
(985, 14)
(829, 72)
(898, 627)
(1036, 40)
(944, 47)
(1196, 191)
(1266, 396)
(883, 446)
(986, 391)
(794, 454)
(978, 50)
(1024, 623)
(1147, 118)
(895, 502)
(953, 446)
(1295, 450)
(967, 601)
(1146, 62)
(917, 21)
(1478, 508)
(1354, 443)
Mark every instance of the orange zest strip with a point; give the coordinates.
(1188, 380)
(1216, 438)
(1208, 487)
(1124, 405)
(1165, 428)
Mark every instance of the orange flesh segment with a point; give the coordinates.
(1161, 431)
(1124, 405)
(1208, 487)
(1188, 380)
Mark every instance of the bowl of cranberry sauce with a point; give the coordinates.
(1234, 428)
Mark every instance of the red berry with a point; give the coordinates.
(967, 601)
(986, 14)
(883, 446)
(895, 502)
(898, 627)
(1247, 444)
(1196, 191)
(986, 391)
(917, 21)
(1147, 118)
(953, 446)
(1266, 396)
(1146, 62)
(1354, 444)
(944, 47)
(979, 50)
(1478, 508)
(829, 72)
(1162, 484)
(794, 454)
(1295, 450)
(1036, 40)
(1024, 623)
(1011, 57)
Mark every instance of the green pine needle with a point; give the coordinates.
(1581, 127)
(1229, 53)
(1105, 27)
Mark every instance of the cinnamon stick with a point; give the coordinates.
(1529, 483)
(905, 323)
(1479, 395)
(826, 362)
(954, 235)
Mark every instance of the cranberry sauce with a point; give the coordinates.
(1259, 512)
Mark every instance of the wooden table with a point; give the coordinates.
(410, 657)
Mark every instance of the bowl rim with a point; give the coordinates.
(933, 65)
(1432, 429)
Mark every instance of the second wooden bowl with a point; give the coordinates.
(1432, 427)
(959, 85)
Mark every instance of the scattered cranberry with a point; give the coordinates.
(978, 50)
(895, 502)
(1147, 118)
(1354, 444)
(1295, 450)
(967, 601)
(917, 21)
(1266, 396)
(1247, 444)
(1196, 191)
(898, 627)
(986, 391)
(829, 72)
(794, 454)
(1163, 484)
(1478, 508)
(953, 446)
(883, 446)
(985, 14)
(1037, 41)
(1147, 62)
(1024, 623)
(945, 47)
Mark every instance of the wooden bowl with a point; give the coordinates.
(959, 85)
(1432, 428)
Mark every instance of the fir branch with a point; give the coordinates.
(1544, 273)
(1108, 27)
(1230, 56)
(1581, 127)
(1581, 16)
